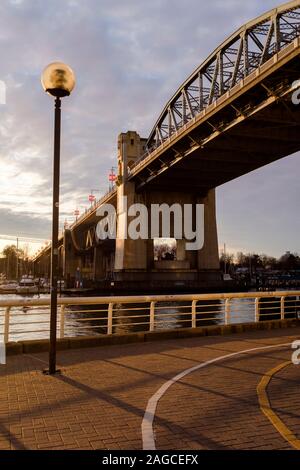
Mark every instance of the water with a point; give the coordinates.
(33, 323)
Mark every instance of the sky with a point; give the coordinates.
(129, 56)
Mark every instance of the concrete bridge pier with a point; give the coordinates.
(41, 268)
(104, 259)
(208, 261)
(71, 259)
(134, 258)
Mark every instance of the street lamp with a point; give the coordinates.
(112, 178)
(58, 80)
(92, 198)
(76, 213)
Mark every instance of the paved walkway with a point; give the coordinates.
(99, 400)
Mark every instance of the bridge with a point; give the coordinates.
(232, 115)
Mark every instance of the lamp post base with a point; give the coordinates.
(47, 372)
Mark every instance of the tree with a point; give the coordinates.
(242, 260)
(164, 249)
(12, 256)
(289, 261)
(226, 259)
(268, 262)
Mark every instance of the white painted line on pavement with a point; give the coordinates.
(147, 423)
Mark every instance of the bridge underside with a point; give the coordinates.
(255, 129)
(261, 140)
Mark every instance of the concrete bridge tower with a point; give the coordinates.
(134, 259)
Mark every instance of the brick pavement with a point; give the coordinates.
(99, 400)
(284, 397)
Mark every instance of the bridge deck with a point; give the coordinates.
(99, 400)
(251, 127)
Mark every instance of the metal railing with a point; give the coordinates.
(29, 318)
(89, 210)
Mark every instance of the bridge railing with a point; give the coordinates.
(94, 206)
(29, 319)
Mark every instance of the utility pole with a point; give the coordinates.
(17, 270)
(7, 266)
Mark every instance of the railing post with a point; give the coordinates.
(6, 324)
(62, 321)
(282, 308)
(194, 313)
(227, 311)
(110, 319)
(152, 316)
(256, 309)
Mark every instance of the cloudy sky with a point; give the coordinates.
(129, 57)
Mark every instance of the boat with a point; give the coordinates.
(8, 287)
(27, 285)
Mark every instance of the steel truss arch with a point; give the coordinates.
(238, 56)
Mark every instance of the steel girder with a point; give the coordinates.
(243, 52)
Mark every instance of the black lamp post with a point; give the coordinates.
(58, 80)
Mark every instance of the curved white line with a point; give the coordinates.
(147, 423)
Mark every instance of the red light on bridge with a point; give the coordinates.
(112, 177)
(92, 198)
